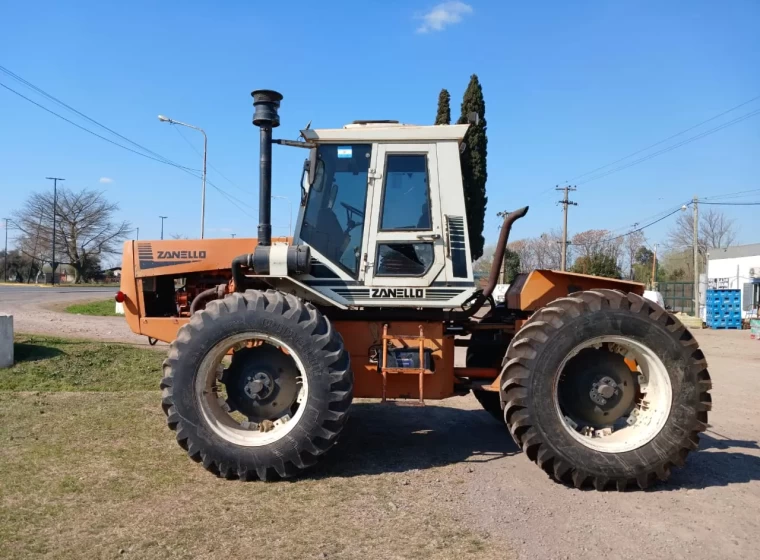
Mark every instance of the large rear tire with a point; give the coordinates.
(289, 380)
(605, 388)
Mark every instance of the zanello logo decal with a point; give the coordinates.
(400, 293)
(181, 255)
(149, 259)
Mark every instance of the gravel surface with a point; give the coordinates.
(453, 458)
(39, 311)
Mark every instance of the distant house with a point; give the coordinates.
(737, 267)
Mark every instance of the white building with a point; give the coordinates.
(737, 268)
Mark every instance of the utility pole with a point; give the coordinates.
(696, 255)
(55, 180)
(232, 235)
(138, 235)
(162, 225)
(566, 203)
(5, 274)
(654, 266)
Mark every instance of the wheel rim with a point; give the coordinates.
(613, 394)
(239, 402)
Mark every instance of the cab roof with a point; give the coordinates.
(368, 131)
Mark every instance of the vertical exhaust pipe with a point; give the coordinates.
(265, 103)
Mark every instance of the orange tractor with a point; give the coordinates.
(271, 339)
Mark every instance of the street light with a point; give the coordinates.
(162, 225)
(162, 118)
(290, 212)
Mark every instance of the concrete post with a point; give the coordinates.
(6, 340)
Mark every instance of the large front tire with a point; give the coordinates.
(599, 353)
(267, 331)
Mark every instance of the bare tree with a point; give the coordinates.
(592, 244)
(716, 231)
(524, 249)
(85, 229)
(631, 244)
(544, 251)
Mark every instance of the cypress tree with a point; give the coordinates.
(444, 111)
(473, 162)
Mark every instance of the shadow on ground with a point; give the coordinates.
(394, 439)
(716, 464)
(26, 352)
(382, 438)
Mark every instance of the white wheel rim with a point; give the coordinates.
(650, 413)
(220, 421)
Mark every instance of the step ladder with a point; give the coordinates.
(421, 372)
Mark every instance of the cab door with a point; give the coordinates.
(404, 243)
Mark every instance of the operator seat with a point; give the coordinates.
(332, 238)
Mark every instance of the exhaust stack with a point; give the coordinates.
(266, 103)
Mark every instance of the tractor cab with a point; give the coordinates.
(382, 212)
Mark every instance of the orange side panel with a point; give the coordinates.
(359, 336)
(179, 256)
(540, 287)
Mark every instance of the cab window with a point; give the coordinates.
(406, 196)
(333, 221)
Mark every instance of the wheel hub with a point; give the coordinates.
(259, 386)
(597, 389)
(261, 383)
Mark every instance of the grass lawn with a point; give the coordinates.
(103, 308)
(88, 469)
(58, 364)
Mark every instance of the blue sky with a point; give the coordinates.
(569, 86)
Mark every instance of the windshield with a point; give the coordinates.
(333, 221)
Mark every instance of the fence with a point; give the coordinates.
(679, 296)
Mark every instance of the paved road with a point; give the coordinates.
(36, 310)
(36, 293)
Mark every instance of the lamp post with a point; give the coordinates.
(162, 225)
(290, 212)
(162, 118)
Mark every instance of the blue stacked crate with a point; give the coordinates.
(724, 309)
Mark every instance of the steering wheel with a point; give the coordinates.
(350, 212)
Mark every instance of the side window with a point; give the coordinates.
(404, 259)
(406, 193)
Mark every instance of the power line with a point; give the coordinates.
(689, 140)
(161, 159)
(167, 162)
(738, 194)
(72, 109)
(731, 203)
(666, 139)
(211, 165)
(650, 217)
(607, 240)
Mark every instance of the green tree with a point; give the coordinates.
(473, 162)
(642, 265)
(443, 116)
(597, 264)
(511, 266)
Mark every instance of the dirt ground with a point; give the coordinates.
(452, 463)
(40, 311)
